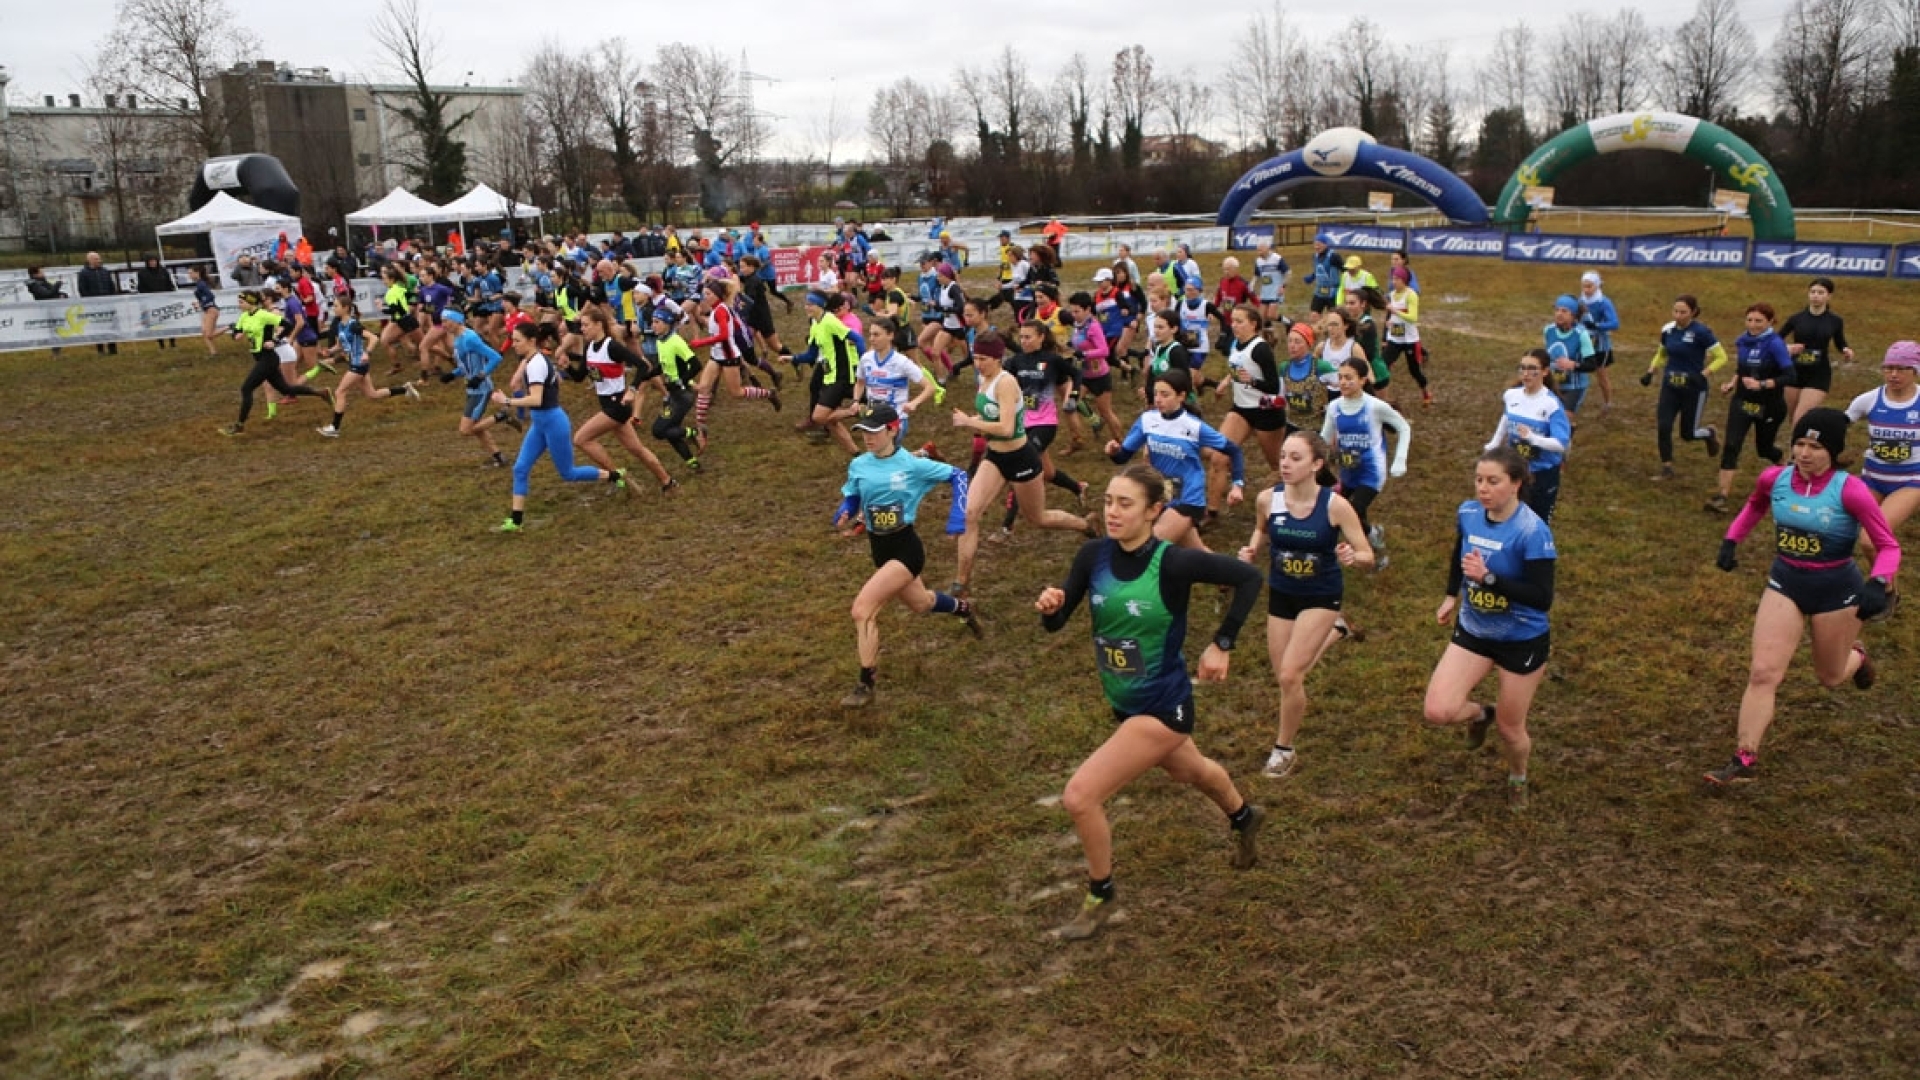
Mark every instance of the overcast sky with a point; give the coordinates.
(43, 44)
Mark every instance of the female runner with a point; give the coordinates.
(1816, 331)
(884, 488)
(1355, 427)
(1308, 377)
(473, 362)
(1174, 438)
(1691, 354)
(401, 308)
(1011, 459)
(1892, 413)
(352, 342)
(608, 360)
(1254, 378)
(209, 307)
(1095, 350)
(1045, 378)
(258, 327)
(1761, 368)
(1535, 426)
(1818, 513)
(725, 333)
(1313, 533)
(1503, 559)
(1269, 279)
(1597, 314)
(1360, 305)
(675, 360)
(1141, 588)
(546, 421)
(1403, 330)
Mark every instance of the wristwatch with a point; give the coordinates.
(1489, 580)
(1223, 643)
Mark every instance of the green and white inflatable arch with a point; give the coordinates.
(1739, 165)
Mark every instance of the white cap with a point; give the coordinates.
(1103, 274)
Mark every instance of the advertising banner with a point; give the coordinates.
(1472, 243)
(257, 241)
(139, 317)
(1720, 252)
(1832, 260)
(1552, 248)
(1906, 261)
(1365, 238)
(797, 266)
(1248, 237)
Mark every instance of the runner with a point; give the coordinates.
(1601, 320)
(1094, 348)
(1360, 306)
(401, 308)
(1232, 291)
(889, 377)
(1116, 304)
(607, 361)
(1761, 369)
(1355, 275)
(1403, 331)
(351, 343)
(258, 327)
(547, 429)
(1141, 589)
(1535, 426)
(1356, 426)
(834, 357)
(1818, 513)
(675, 359)
(1046, 379)
(473, 362)
(1892, 413)
(1011, 458)
(1269, 279)
(1325, 276)
(1174, 438)
(884, 488)
(1570, 352)
(209, 306)
(1313, 533)
(1167, 354)
(1259, 406)
(1816, 331)
(1503, 564)
(1311, 372)
(730, 340)
(1690, 354)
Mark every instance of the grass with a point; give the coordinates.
(306, 772)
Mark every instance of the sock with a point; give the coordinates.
(1517, 781)
(337, 417)
(400, 388)
(312, 372)
(963, 608)
(867, 675)
(1239, 818)
(273, 409)
(519, 516)
(1101, 890)
(944, 604)
(755, 392)
(1283, 749)
(702, 402)
(1062, 480)
(1747, 758)
(497, 456)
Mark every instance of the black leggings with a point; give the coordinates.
(1766, 430)
(1416, 355)
(671, 426)
(1360, 498)
(266, 369)
(1688, 405)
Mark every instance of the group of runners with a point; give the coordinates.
(1310, 394)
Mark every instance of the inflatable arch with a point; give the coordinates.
(1737, 164)
(1352, 154)
(256, 179)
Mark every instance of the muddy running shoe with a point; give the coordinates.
(1862, 675)
(505, 416)
(1717, 504)
(958, 590)
(1094, 913)
(329, 431)
(1377, 536)
(1713, 442)
(861, 695)
(693, 464)
(618, 481)
(1517, 793)
(972, 618)
(413, 392)
(1080, 497)
(508, 526)
(1245, 850)
(1666, 473)
(1279, 763)
(931, 452)
(773, 397)
(233, 429)
(1738, 770)
(1477, 729)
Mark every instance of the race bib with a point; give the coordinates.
(1526, 450)
(1119, 656)
(1890, 452)
(1485, 600)
(1798, 543)
(1298, 564)
(1678, 382)
(1809, 356)
(1349, 459)
(889, 518)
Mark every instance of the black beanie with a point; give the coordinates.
(1828, 426)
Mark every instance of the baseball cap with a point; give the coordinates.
(1103, 274)
(1354, 263)
(876, 417)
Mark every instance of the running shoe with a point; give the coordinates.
(1717, 504)
(233, 429)
(1377, 536)
(931, 452)
(773, 398)
(327, 392)
(1094, 913)
(859, 696)
(1477, 730)
(507, 526)
(958, 590)
(1080, 497)
(413, 392)
(973, 623)
(1713, 442)
(1279, 763)
(1093, 526)
(700, 436)
(1381, 562)
(620, 482)
(1426, 400)
(693, 464)
(777, 380)
(999, 536)
(1862, 675)
(1517, 792)
(1666, 473)
(329, 431)
(1245, 853)
(1735, 771)
(671, 487)
(327, 366)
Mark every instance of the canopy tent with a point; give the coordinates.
(485, 204)
(400, 207)
(224, 211)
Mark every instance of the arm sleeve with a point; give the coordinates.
(1716, 357)
(1412, 314)
(1130, 445)
(1404, 431)
(1608, 319)
(1535, 587)
(1454, 574)
(1659, 359)
(1268, 379)
(1559, 433)
(487, 351)
(1079, 577)
(627, 357)
(1499, 434)
(1782, 363)
(1329, 428)
(1096, 347)
(1183, 568)
(1858, 499)
(1759, 502)
(1839, 332)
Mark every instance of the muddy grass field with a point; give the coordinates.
(306, 772)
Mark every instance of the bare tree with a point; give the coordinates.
(904, 121)
(703, 90)
(565, 105)
(1627, 44)
(1010, 91)
(514, 162)
(1507, 80)
(1364, 58)
(1133, 94)
(1261, 85)
(438, 159)
(1824, 68)
(1710, 61)
(1577, 70)
(1188, 105)
(113, 137)
(1073, 95)
(617, 83)
(174, 52)
(1441, 134)
(1905, 24)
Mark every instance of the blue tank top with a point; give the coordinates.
(1812, 528)
(1893, 440)
(550, 397)
(1358, 448)
(1506, 547)
(1302, 560)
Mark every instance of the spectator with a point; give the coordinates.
(97, 280)
(154, 278)
(245, 274)
(40, 288)
(303, 253)
(344, 261)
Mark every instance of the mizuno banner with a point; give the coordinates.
(1551, 248)
(1713, 252)
(1906, 261)
(1480, 243)
(1833, 260)
(1247, 237)
(1364, 238)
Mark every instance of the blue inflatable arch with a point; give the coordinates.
(1417, 176)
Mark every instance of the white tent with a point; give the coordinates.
(400, 207)
(485, 204)
(224, 211)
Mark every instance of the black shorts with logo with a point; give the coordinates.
(1517, 657)
(1018, 466)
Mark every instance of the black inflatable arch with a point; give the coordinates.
(255, 179)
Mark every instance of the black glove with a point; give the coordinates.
(1728, 559)
(474, 383)
(1873, 598)
(447, 377)
(1647, 379)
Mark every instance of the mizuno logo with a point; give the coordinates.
(1650, 251)
(1777, 259)
(1321, 155)
(1525, 247)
